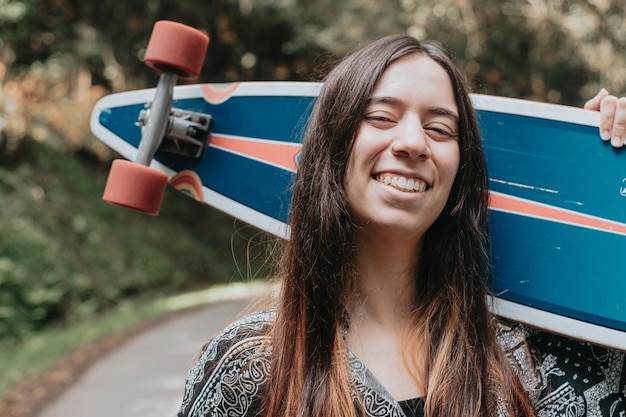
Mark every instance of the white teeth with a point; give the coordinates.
(402, 183)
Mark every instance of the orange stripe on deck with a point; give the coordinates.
(281, 154)
(523, 207)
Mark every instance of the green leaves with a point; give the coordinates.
(65, 255)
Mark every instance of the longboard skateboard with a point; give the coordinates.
(557, 199)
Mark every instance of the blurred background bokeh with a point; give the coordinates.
(67, 258)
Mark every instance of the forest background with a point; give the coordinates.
(66, 257)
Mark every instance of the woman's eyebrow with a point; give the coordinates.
(442, 111)
(384, 100)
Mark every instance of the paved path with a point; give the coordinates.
(145, 376)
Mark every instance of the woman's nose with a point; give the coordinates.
(411, 142)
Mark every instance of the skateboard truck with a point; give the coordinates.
(186, 133)
(177, 51)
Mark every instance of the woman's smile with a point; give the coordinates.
(402, 183)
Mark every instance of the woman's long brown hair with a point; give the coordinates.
(466, 371)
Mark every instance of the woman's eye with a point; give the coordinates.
(442, 132)
(438, 131)
(378, 119)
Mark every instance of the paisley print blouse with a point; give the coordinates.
(574, 379)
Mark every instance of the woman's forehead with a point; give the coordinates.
(416, 78)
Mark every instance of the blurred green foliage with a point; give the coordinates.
(64, 255)
(548, 50)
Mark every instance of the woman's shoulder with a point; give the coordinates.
(252, 329)
(579, 378)
(244, 335)
(231, 369)
(585, 379)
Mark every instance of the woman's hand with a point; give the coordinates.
(612, 116)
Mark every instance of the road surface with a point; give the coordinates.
(145, 376)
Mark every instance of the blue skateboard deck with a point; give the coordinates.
(558, 193)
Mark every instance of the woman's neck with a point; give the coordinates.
(380, 311)
(386, 282)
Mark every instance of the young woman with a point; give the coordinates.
(382, 310)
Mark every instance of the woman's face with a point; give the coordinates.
(406, 152)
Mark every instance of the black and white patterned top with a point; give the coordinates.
(574, 379)
(584, 380)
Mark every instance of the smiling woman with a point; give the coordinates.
(383, 297)
(382, 309)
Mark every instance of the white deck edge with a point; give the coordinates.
(528, 108)
(311, 89)
(534, 317)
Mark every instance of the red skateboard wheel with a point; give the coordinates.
(174, 47)
(135, 186)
